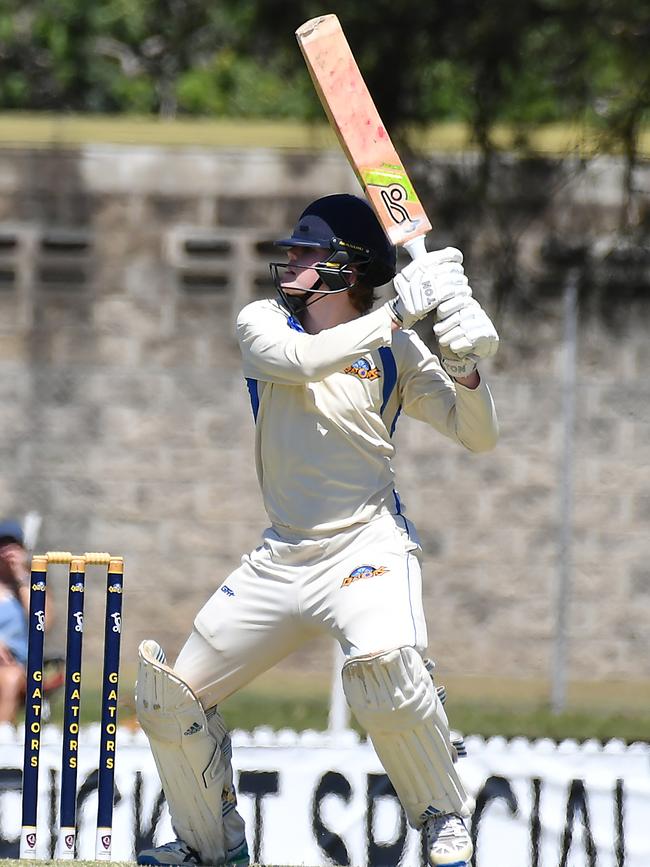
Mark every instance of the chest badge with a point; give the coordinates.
(363, 369)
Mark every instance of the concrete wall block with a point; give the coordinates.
(619, 473)
(106, 460)
(123, 537)
(14, 347)
(626, 400)
(216, 502)
(67, 347)
(71, 425)
(133, 427)
(638, 580)
(185, 463)
(146, 499)
(116, 314)
(118, 350)
(139, 388)
(526, 505)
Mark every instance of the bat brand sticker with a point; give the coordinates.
(393, 198)
(363, 572)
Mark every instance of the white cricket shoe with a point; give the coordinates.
(175, 852)
(178, 852)
(448, 841)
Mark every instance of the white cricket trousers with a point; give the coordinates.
(362, 587)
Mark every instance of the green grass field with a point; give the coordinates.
(64, 130)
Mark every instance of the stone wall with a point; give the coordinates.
(126, 423)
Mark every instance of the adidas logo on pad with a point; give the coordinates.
(193, 729)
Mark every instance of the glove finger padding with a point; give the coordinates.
(474, 342)
(425, 283)
(468, 331)
(456, 302)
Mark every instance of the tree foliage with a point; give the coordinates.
(523, 62)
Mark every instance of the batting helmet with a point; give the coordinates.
(348, 227)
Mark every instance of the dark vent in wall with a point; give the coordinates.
(200, 283)
(65, 243)
(270, 251)
(64, 260)
(204, 247)
(8, 242)
(62, 277)
(220, 267)
(9, 245)
(263, 286)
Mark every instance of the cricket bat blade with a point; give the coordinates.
(362, 133)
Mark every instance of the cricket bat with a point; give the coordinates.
(361, 132)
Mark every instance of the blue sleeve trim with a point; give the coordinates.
(394, 424)
(254, 395)
(390, 373)
(292, 322)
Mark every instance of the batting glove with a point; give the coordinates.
(426, 283)
(465, 336)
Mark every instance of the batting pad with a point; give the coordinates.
(393, 698)
(188, 755)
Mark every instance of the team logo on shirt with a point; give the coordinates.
(363, 369)
(363, 572)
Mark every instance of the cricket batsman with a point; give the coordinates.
(328, 377)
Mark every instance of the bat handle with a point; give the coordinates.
(416, 247)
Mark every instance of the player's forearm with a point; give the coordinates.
(475, 419)
(298, 357)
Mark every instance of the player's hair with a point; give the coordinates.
(362, 297)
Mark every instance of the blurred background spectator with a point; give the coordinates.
(14, 610)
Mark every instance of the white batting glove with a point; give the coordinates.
(426, 283)
(465, 337)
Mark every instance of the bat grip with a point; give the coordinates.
(416, 247)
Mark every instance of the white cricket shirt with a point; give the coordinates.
(325, 408)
